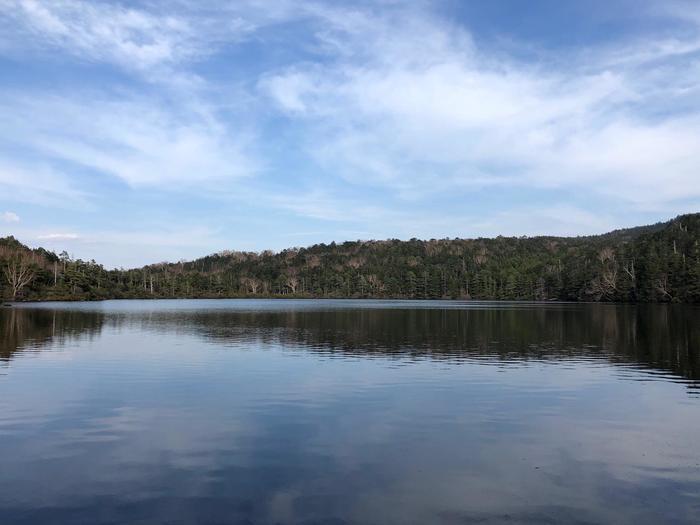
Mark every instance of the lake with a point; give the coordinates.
(349, 412)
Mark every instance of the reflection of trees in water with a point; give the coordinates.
(658, 336)
(663, 337)
(22, 328)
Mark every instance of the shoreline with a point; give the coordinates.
(8, 304)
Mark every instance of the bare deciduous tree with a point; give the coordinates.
(605, 285)
(481, 256)
(662, 286)
(293, 283)
(18, 272)
(630, 271)
(251, 284)
(631, 274)
(375, 283)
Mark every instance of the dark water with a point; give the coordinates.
(349, 412)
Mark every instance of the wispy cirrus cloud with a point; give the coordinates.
(38, 183)
(139, 36)
(101, 31)
(58, 237)
(436, 113)
(135, 140)
(171, 138)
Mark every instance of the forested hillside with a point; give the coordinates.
(659, 263)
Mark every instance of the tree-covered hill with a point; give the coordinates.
(658, 263)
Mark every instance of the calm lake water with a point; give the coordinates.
(335, 412)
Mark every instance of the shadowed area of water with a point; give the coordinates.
(398, 412)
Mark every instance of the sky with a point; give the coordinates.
(139, 132)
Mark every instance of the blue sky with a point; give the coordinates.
(136, 132)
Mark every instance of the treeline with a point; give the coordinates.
(659, 263)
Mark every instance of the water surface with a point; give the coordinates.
(362, 412)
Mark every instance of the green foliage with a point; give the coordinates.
(659, 263)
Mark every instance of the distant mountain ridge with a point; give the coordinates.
(628, 234)
(655, 263)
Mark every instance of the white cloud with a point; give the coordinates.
(140, 141)
(172, 138)
(401, 99)
(645, 163)
(99, 31)
(39, 183)
(139, 37)
(684, 10)
(58, 237)
(289, 90)
(437, 113)
(319, 204)
(9, 216)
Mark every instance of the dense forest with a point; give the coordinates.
(659, 263)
